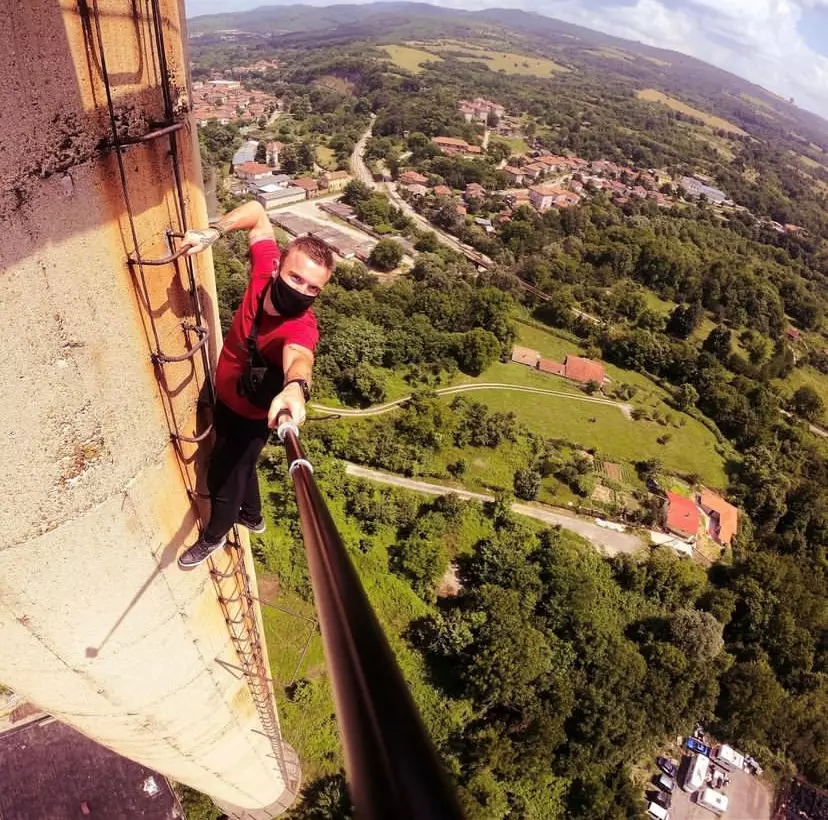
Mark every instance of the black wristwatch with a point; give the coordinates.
(302, 383)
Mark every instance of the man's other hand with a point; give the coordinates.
(198, 241)
(291, 400)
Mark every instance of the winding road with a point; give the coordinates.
(379, 409)
(608, 541)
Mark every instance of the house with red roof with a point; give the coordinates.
(451, 145)
(514, 174)
(583, 370)
(441, 190)
(544, 197)
(274, 149)
(552, 367)
(309, 185)
(474, 190)
(253, 170)
(412, 178)
(682, 516)
(723, 517)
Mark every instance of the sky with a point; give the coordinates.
(781, 45)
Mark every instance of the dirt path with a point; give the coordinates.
(379, 409)
(609, 541)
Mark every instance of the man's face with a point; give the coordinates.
(302, 273)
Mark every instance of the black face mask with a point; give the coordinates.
(288, 301)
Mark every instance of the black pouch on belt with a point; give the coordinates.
(261, 381)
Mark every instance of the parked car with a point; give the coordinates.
(669, 767)
(656, 812)
(697, 746)
(666, 783)
(664, 799)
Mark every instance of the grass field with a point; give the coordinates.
(550, 344)
(517, 145)
(411, 59)
(506, 61)
(706, 134)
(692, 448)
(675, 456)
(758, 102)
(802, 376)
(326, 157)
(810, 163)
(611, 53)
(652, 95)
(656, 303)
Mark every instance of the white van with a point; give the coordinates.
(696, 773)
(713, 800)
(728, 758)
(657, 812)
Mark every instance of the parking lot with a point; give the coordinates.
(749, 799)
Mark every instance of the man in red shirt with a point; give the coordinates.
(264, 369)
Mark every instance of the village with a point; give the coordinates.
(226, 100)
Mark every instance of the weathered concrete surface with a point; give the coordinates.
(98, 624)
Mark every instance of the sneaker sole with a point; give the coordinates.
(259, 530)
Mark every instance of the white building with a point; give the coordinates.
(544, 197)
(283, 196)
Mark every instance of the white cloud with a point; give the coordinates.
(755, 39)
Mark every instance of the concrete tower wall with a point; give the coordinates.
(97, 623)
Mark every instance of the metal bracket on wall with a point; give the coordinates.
(203, 337)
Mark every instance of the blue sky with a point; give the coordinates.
(781, 45)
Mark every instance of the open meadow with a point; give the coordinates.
(652, 95)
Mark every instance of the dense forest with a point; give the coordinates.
(555, 669)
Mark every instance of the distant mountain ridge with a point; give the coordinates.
(670, 71)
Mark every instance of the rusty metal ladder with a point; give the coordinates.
(233, 584)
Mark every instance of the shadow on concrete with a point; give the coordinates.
(167, 557)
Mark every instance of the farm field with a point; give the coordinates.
(411, 59)
(326, 157)
(506, 61)
(802, 376)
(652, 95)
(517, 145)
(692, 448)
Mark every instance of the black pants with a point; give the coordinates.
(231, 476)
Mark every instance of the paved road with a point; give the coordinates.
(361, 172)
(358, 166)
(379, 409)
(817, 431)
(608, 541)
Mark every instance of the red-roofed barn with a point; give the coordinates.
(724, 517)
(584, 370)
(551, 366)
(682, 515)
